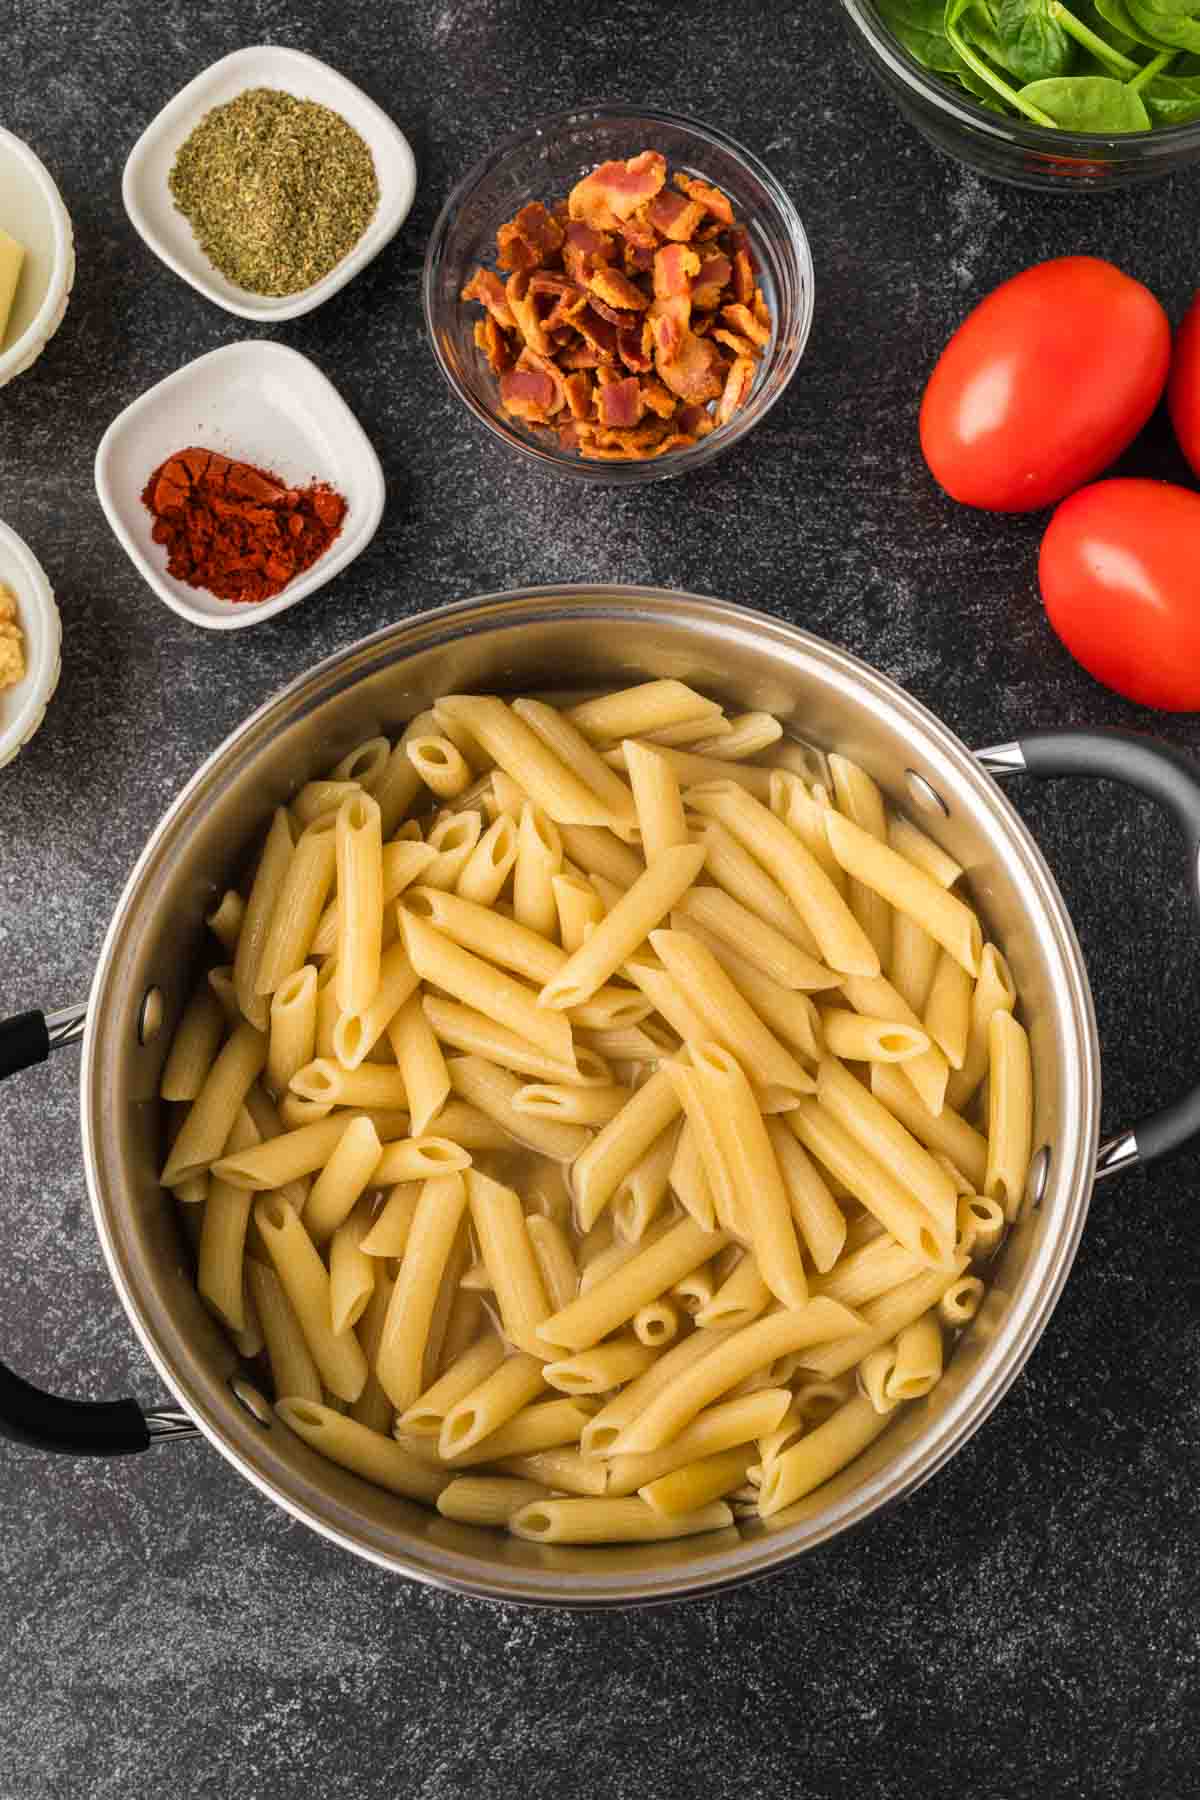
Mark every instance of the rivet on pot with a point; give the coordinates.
(150, 1018)
(925, 796)
(256, 1404)
(1039, 1174)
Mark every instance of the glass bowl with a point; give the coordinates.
(1025, 155)
(543, 162)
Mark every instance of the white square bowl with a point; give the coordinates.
(259, 403)
(23, 706)
(148, 199)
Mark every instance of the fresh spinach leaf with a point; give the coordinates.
(920, 27)
(1116, 14)
(1171, 101)
(1093, 103)
(1169, 32)
(1034, 44)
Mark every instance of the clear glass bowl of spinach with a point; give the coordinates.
(1097, 93)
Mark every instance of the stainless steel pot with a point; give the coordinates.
(554, 638)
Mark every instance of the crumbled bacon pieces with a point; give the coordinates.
(627, 320)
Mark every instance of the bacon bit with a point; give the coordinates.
(615, 190)
(568, 436)
(710, 198)
(695, 371)
(739, 345)
(710, 283)
(676, 440)
(529, 359)
(624, 321)
(552, 296)
(669, 321)
(674, 267)
(637, 232)
(658, 399)
(743, 277)
(617, 289)
(487, 287)
(495, 346)
(738, 383)
(744, 321)
(706, 233)
(619, 403)
(529, 241)
(584, 357)
(579, 394)
(600, 333)
(524, 311)
(762, 311)
(528, 393)
(635, 346)
(638, 261)
(584, 248)
(674, 217)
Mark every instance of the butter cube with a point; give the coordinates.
(12, 258)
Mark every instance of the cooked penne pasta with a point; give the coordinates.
(392, 1224)
(819, 1219)
(631, 712)
(538, 860)
(709, 1145)
(302, 894)
(273, 865)
(440, 1212)
(749, 734)
(857, 1038)
(427, 1414)
(699, 1483)
(871, 1182)
(857, 796)
(205, 1130)
(598, 852)
(883, 1137)
(657, 1323)
(743, 1420)
(317, 799)
(961, 1301)
(874, 1376)
(790, 1015)
(882, 1319)
(737, 874)
(499, 1221)
(518, 750)
(944, 1131)
(573, 1105)
(370, 1454)
(292, 1035)
(549, 1425)
(642, 1193)
(602, 1432)
(401, 864)
(419, 1063)
(948, 1009)
(194, 1046)
(578, 908)
(466, 977)
(493, 1090)
(803, 813)
(731, 1019)
(917, 1368)
(365, 764)
(371, 1084)
(993, 992)
(867, 1271)
(909, 889)
(657, 799)
(373, 1408)
(1010, 1113)
(876, 998)
(598, 1171)
(462, 1028)
(440, 764)
(607, 1521)
(596, 1371)
(499, 1397)
(225, 920)
(555, 1259)
(907, 841)
(487, 1499)
(914, 959)
(293, 1370)
(305, 1280)
(419, 1159)
(627, 926)
(689, 1183)
(755, 940)
(562, 736)
(220, 1257)
(614, 1300)
(981, 1224)
(740, 1299)
(453, 840)
(690, 769)
(351, 1273)
(819, 1454)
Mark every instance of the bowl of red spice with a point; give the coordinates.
(619, 294)
(240, 484)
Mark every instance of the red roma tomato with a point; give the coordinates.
(1044, 384)
(1118, 574)
(1183, 395)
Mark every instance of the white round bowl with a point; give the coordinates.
(32, 211)
(23, 706)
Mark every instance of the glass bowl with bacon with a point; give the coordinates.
(619, 294)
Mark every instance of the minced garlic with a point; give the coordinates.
(12, 644)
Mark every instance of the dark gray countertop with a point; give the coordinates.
(1026, 1625)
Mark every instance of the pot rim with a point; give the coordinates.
(766, 1550)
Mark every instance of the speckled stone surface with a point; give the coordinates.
(1024, 1626)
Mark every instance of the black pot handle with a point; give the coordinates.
(27, 1415)
(1172, 778)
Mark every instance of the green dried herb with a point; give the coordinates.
(277, 190)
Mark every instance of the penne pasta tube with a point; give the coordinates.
(365, 764)
(914, 959)
(689, 732)
(993, 992)
(689, 1183)
(602, 1432)
(293, 1370)
(493, 1090)
(874, 1374)
(819, 1219)
(747, 734)
(842, 943)
(859, 799)
(295, 1112)
(220, 1256)
(694, 1291)
(614, 1300)
(563, 1470)
(301, 900)
(857, 1038)
(627, 926)
(870, 1270)
(226, 919)
(397, 785)
(351, 1273)
(667, 998)
(696, 1484)
(816, 1401)
(699, 1117)
(550, 1425)
(648, 1042)
(303, 1277)
(948, 1009)
(740, 1354)
(401, 863)
(469, 1128)
(573, 1105)
(507, 795)
(419, 1159)
(600, 1369)
(546, 1193)
(691, 770)
(598, 1170)
(370, 1454)
(878, 999)
(657, 1323)
(1010, 1113)
(359, 848)
(538, 860)
(740, 1299)
(319, 799)
(948, 920)
(268, 882)
(737, 874)
(194, 1046)
(632, 712)
(872, 1183)
(435, 1229)
(499, 1221)
(981, 1225)
(292, 1037)
(563, 738)
(487, 1499)
(548, 781)
(490, 863)
(210, 1119)
(883, 1137)
(453, 839)
(390, 1229)
(611, 1522)
(764, 1212)
(465, 977)
(642, 1193)
(419, 1063)
(578, 908)
(499, 1397)
(790, 1015)
(882, 1319)
(600, 853)
(945, 1131)
(821, 1453)
(657, 799)
(440, 764)
(907, 841)
(373, 1408)
(732, 1021)
(757, 942)
(960, 1302)
(744, 1420)
(370, 1084)
(427, 1414)
(803, 813)
(918, 1359)
(462, 1028)
(555, 1259)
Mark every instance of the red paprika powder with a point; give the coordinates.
(238, 531)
